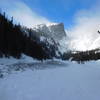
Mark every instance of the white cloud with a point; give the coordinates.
(85, 32)
(22, 13)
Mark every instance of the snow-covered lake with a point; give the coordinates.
(57, 81)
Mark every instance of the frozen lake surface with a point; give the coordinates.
(51, 80)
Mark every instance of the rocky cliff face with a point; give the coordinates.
(51, 34)
(54, 30)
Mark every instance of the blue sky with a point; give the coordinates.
(59, 10)
(52, 10)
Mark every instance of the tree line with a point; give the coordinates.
(14, 41)
(82, 56)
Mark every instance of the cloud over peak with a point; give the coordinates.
(85, 31)
(22, 13)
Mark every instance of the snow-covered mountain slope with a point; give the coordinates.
(53, 30)
(84, 35)
(54, 33)
(95, 44)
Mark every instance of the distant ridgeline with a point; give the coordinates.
(16, 40)
(82, 56)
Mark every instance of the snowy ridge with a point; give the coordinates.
(41, 25)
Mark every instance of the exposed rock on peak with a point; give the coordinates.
(53, 30)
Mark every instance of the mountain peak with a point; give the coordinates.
(54, 30)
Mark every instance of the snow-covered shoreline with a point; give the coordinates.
(71, 81)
